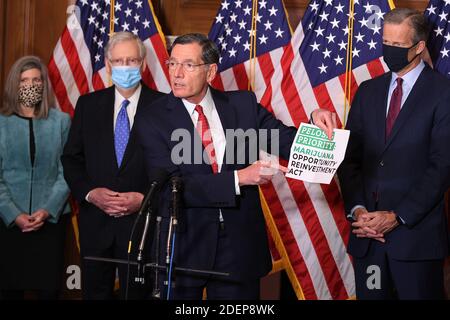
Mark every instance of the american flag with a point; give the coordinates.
(438, 14)
(293, 75)
(318, 68)
(323, 39)
(77, 65)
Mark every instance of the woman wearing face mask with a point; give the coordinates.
(33, 192)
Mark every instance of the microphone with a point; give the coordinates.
(159, 176)
(175, 186)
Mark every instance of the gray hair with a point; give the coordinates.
(11, 102)
(122, 37)
(210, 52)
(415, 20)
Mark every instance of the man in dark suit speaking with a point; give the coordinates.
(221, 227)
(104, 167)
(397, 169)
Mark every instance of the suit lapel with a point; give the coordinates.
(178, 115)
(107, 121)
(411, 104)
(381, 111)
(180, 119)
(227, 115)
(144, 100)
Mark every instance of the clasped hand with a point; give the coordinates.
(32, 222)
(374, 224)
(116, 204)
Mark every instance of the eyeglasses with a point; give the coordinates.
(126, 62)
(187, 66)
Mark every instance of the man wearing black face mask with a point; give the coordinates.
(397, 169)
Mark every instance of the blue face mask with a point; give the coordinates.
(126, 77)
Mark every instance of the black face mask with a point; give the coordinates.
(396, 58)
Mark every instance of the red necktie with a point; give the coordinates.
(205, 133)
(394, 107)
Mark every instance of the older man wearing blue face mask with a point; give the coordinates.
(105, 169)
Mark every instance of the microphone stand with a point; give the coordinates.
(168, 267)
(140, 278)
(172, 234)
(156, 291)
(146, 207)
(157, 266)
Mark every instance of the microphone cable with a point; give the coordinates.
(130, 243)
(169, 285)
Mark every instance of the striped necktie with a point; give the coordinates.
(207, 141)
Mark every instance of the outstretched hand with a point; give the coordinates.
(325, 120)
(259, 172)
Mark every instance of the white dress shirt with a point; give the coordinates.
(131, 111)
(217, 132)
(132, 106)
(409, 80)
(215, 126)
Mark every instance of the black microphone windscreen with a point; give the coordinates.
(157, 178)
(176, 182)
(158, 175)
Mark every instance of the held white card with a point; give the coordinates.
(315, 158)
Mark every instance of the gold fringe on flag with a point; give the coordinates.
(281, 249)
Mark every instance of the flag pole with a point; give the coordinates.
(111, 27)
(391, 4)
(252, 60)
(349, 61)
(158, 25)
(111, 17)
(111, 32)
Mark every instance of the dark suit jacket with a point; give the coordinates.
(205, 192)
(89, 162)
(409, 173)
